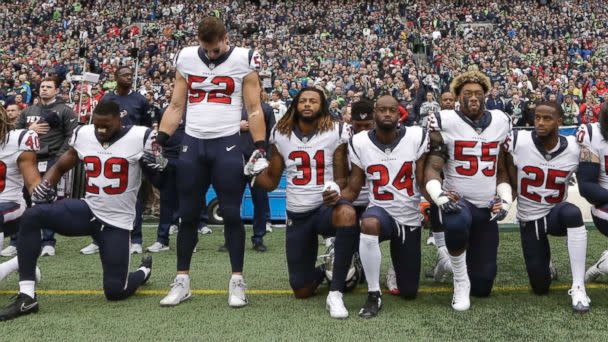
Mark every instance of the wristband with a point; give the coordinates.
(433, 187)
(260, 145)
(161, 138)
(504, 191)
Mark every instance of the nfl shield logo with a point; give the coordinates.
(478, 130)
(305, 140)
(387, 150)
(211, 66)
(548, 156)
(106, 145)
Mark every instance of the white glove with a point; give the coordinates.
(256, 164)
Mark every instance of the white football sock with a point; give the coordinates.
(439, 239)
(28, 287)
(236, 277)
(1, 241)
(442, 253)
(184, 277)
(8, 267)
(145, 270)
(371, 258)
(459, 267)
(577, 249)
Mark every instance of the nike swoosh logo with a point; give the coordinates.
(72, 120)
(413, 228)
(25, 308)
(228, 149)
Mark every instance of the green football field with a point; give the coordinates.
(73, 308)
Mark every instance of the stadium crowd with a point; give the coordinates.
(351, 48)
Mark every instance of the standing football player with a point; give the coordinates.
(112, 155)
(391, 159)
(465, 146)
(18, 167)
(541, 163)
(311, 147)
(213, 82)
(593, 180)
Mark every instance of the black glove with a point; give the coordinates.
(450, 206)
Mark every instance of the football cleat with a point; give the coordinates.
(598, 269)
(461, 300)
(443, 269)
(205, 230)
(180, 291)
(173, 229)
(335, 305)
(136, 248)
(236, 293)
(391, 281)
(430, 240)
(21, 305)
(580, 301)
(157, 247)
(146, 262)
(373, 304)
(48, 251)
(90, 249)
(9, 251)
(552, 270)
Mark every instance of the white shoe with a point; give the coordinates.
(157, 247)
(335, 305)
(236, 293)
(430, 240)
(48, 251)
(443, 269)
(461, 300)
(38, 274)
(136, 248)
(173, 229)
(391, 281)
(180, 291)
(268, 227)
(552, 270)
(580, 301)
(9, 251)
(598, 269)
(90, 249)
(329, 241)
(205, 230)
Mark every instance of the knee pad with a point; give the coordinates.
(113, 291)
(456, 239)
(570, 215)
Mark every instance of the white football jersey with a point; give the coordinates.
(309, 162)
(473, 152)
(215, 89)
(363, 199)
(590, 136)
(542, 176)
(11, 180)
(390, 171)
(113, 173)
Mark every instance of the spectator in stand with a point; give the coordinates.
(516, 110)
(571, 111)
(430, 106)
(590, 110)
(494, 101)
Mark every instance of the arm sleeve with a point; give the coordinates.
(352, 154)
(588, 174)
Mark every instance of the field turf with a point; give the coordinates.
(72, 307)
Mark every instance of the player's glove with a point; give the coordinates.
(447, 201)
(43, 193)
(257, 163)
(154, 160)
(504, 209)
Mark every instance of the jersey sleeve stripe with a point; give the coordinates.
(589, 131)
(21, 137)
(423, 137)
(76, 134)
(515, 138)
(352, 147)
(438, 117)
(148, 132)
(250, 58)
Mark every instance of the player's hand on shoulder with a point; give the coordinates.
(43, 193)
(331, 194)
(257, 163)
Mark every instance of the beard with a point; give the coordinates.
(466, 105)
(386, 126)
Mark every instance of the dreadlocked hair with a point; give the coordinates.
(5, 126)
(603, 120)
(287, 123)
(471, 76)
